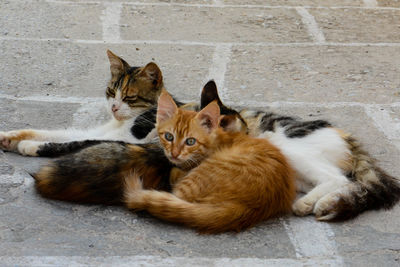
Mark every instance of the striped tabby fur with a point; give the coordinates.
(131, 94)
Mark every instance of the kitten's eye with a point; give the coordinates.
(190, 141)
(168, 136)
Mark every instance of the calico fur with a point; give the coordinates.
(340, 180)
(233, 182)
(96, 174)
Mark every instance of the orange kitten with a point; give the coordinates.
(233, 182)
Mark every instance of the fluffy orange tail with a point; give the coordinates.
(205, 217)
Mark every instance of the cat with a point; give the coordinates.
(132, 94)
(94, 172)
(233, 181)
(340, 180)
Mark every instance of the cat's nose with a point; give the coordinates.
(114, 108)
(175, 154)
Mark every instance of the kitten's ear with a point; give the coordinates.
(152, 72)
(166, 107)
(209, 94)
(231, 123)
(118, 66)
(209, 116)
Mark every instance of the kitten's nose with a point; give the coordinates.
(175, 154)
(114, 108)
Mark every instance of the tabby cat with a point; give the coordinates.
(131, 93)
(233, 182)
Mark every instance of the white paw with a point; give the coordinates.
(29, 148)
(325, 208)
(303, 207)
(6, 142)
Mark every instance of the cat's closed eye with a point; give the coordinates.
(130, 98)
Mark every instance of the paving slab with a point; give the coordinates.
(314, 74)
(358, 25)
(82, 70)
(27, 114)
(194, 24)
(55, 20)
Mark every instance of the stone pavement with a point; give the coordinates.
(332, 59)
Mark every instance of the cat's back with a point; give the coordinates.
(251, 150)
(247, 167)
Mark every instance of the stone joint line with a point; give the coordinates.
(312, 27)
(217, 70)
(110, 20)
(196, 43)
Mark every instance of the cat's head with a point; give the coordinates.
(186, 136)
(131, 90)
(231, 121)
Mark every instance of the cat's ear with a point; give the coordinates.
(153, 73)
(166, 107)
(209, 94)
(208, 117)
(231, 123)
(118, 66)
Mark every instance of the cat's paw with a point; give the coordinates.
(133, 190)
(6, 141)
(29, 148)
(326, 208)
(302, 207)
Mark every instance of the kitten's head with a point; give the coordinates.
(131, 90)
(186, 136)
(231, 121)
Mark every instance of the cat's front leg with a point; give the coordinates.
(9, 140)
(29, 147)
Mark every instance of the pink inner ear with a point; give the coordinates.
(209, 116)
(166, 107)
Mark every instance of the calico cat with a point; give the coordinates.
(132, 94)
(339, 178)
(234, 181)
(95, 171)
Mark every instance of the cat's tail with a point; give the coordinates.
(96, 174)
(370, 188)
(204, 217)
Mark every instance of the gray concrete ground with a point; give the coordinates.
(332, 59)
